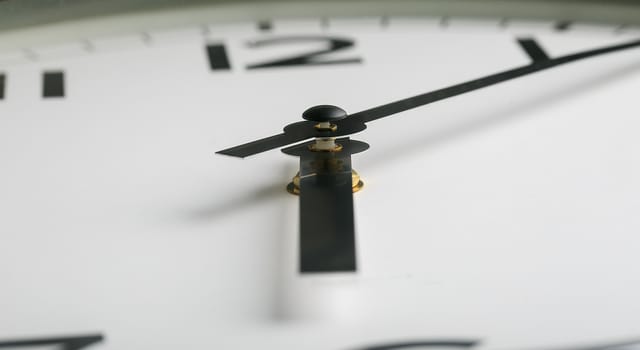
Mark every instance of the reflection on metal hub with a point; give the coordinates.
(294, 186)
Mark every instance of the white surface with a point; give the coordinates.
(508, 215)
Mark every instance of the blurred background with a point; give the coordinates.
(15, 14)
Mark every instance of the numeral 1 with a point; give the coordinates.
(535, 52)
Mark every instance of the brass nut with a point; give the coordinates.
(337, 148)
(356, 183)
(332, 127)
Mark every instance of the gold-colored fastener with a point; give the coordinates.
(356, 183)
(314, 148)
(321, 127)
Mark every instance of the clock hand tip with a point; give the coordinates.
(232, 152)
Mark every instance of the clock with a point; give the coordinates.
(494, 204)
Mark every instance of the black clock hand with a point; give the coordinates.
(304, 130)
(459, 89)
(327, 228)
(262, 145)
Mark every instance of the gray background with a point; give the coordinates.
(16, 14)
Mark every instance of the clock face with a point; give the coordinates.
(505, 218)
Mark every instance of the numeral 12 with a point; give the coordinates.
(219, 59)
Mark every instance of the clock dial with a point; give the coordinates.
(504, 218)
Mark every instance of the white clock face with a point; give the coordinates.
(506, 217)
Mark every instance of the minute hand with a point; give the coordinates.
(441, 94)
(356, 122)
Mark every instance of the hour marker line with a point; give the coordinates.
(53, 84)
(621, 28)
(562, 26)
(324, 23)
(265, 26)
(384, 22)
(30, 54)
(204, 30)
(146, 38)
(2, 83)
(444, 21)
(88, 46)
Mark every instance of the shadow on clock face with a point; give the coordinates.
(218, 207)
